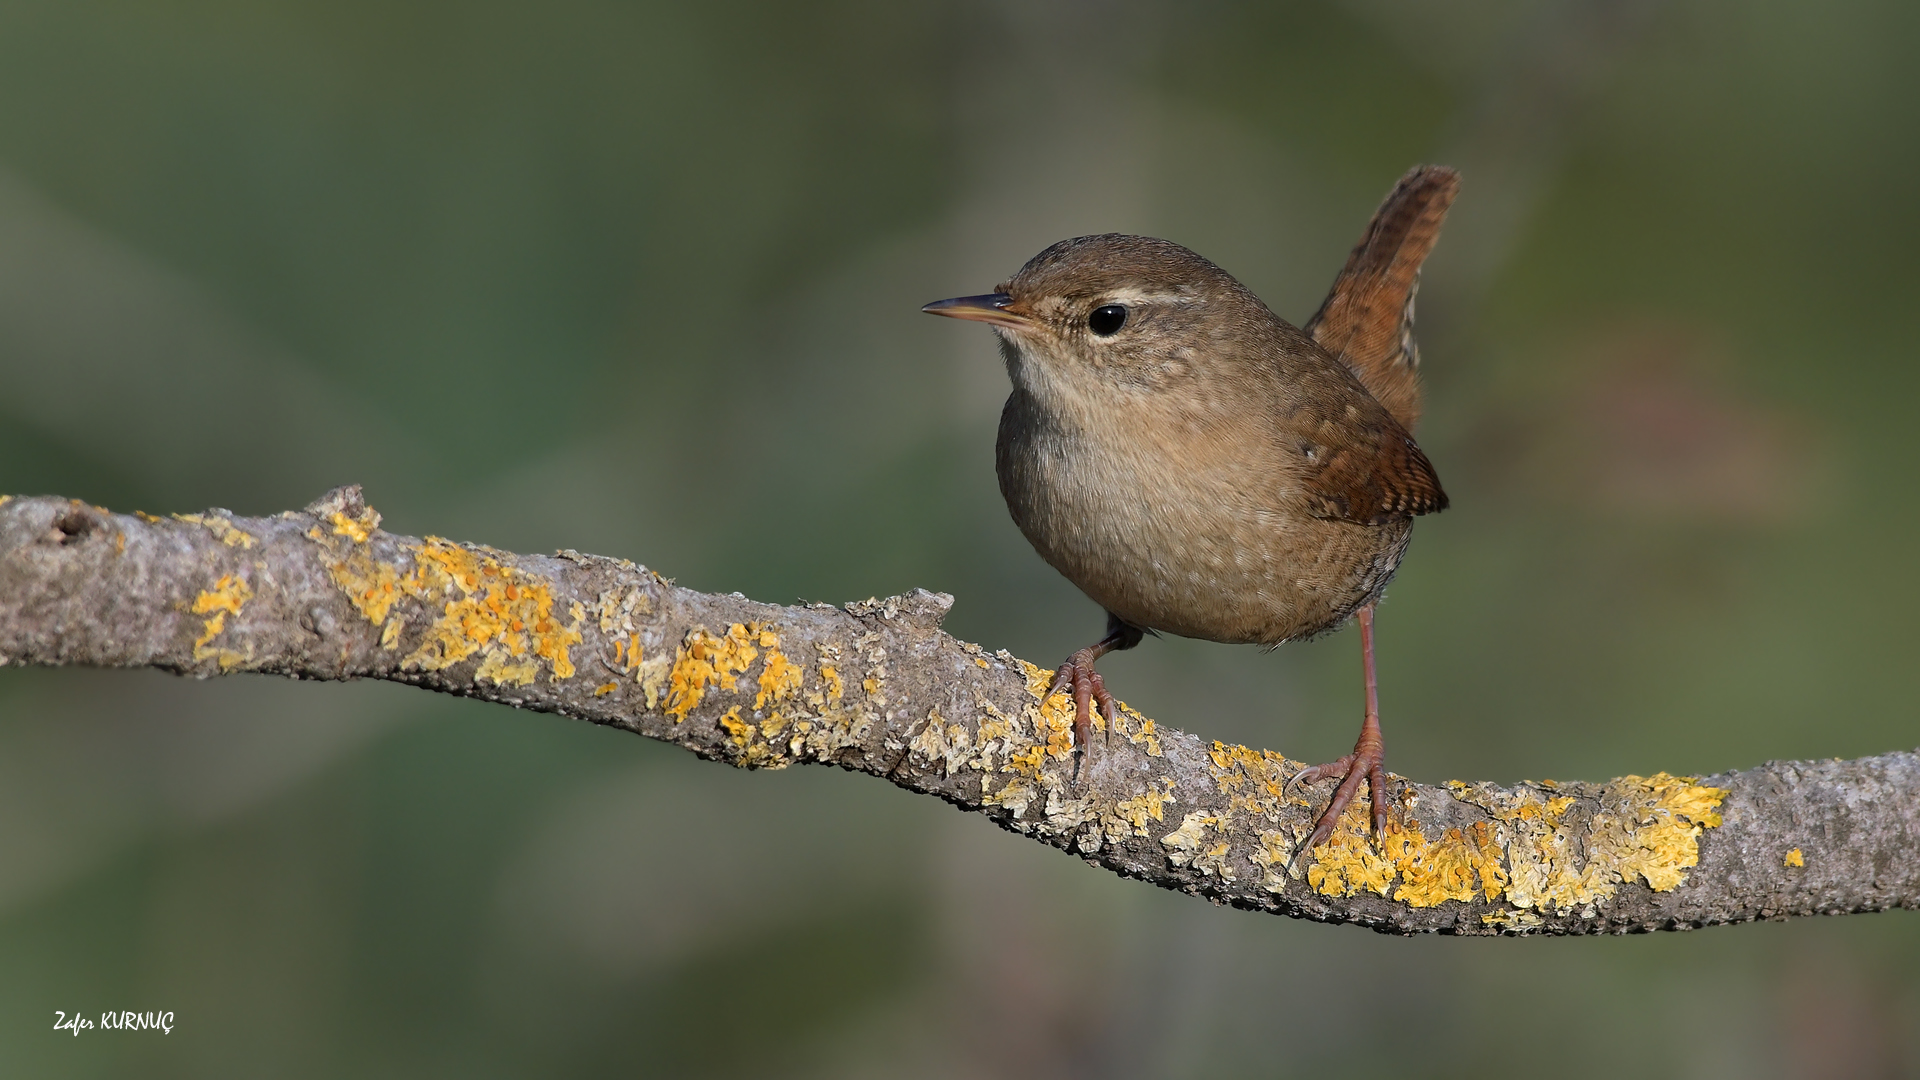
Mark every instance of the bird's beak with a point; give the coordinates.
(995, 308)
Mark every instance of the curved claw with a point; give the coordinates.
(1367, 762)
(1313, 774)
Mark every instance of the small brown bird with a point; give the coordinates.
(1198, 465)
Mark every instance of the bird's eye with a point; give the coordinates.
(1107, 319)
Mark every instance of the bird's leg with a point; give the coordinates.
(1366, 762)
(1078, 676)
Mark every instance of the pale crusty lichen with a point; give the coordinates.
(1189, 845)
(616, 610)
(226, 597)
(1129, 817)
(223, 530)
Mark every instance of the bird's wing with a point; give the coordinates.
(1361, 466)
(1366, 321)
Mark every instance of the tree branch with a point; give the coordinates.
(878, 688)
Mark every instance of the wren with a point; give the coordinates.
(1199, 466)
(1202, 467)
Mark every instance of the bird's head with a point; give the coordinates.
(1114, 309)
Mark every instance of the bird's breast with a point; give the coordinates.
(1181, 525)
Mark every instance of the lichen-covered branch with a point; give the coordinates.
(877, 687)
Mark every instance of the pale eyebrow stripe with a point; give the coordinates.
(1143, 296)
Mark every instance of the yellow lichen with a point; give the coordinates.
(780, 678)
(604, 689)
(1642, 827)
(931, 744)
(739, 732)
(499, 611)
(506, 671)
(1188, 846)
(1129, 817)
(223, 530)
(1447, 869)
(652, 675)
(1348, 863)
(836, 688)
(706, 659)
(1511, 920)
(1533, 854)
(1794, 858)
(226, 597)
(371, 587)
(357, 528)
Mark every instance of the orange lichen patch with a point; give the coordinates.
(371, 587)
(604, 689)
(1794, 858)
(780, 678)
(1056, 709)
(499, 611)
(1145, 736)
(1455, 867)
(739, 732)
(706, 659)
(223, 530)
(1347, 862)
(226, 597)
(357, 528)
(1055, 733)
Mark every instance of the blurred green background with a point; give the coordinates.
(642, 279)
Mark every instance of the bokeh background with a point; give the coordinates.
(642, 279)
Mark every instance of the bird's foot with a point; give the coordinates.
(1078, 676)
(1367, 762)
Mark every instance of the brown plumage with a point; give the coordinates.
(1198, 465)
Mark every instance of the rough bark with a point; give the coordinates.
(877, 687)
